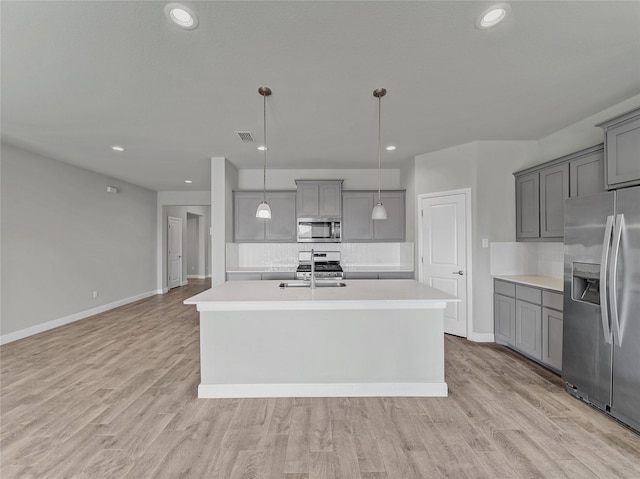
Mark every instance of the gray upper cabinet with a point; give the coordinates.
(280, 228)
(356, 216)
(357, 224)
(393, 228)
(528, 206)
(554, 189)
(246, 227)
(319, 198)
(541, 191)
(586, 172)
(282, 225)
(622, 142)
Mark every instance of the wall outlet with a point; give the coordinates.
(485, 243)
(95, 294)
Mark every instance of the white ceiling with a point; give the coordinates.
(78, 77)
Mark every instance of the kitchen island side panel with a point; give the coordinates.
(322, 352)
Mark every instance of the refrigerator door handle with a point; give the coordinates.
(604, 290)
(613, 280)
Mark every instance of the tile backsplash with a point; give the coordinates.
(281, 256)
(534, 258)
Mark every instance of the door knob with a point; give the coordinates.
(459, 272)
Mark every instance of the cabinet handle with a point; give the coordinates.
(459, 272)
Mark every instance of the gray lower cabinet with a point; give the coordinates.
(529, 329)
(280, 228)
(529, 320)
(273, 275)
(378, 275)
(552, 338)
(504, 310)
(357, 225)
(622, 142)
(237, 276)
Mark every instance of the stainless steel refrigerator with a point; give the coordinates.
(601, 324)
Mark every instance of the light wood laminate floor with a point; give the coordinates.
(114, 396)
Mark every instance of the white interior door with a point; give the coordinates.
(174, 248)
(443, 253)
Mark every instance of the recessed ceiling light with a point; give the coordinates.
(188, 181)
(117, 148)
(493, 15)
(262, 148)
(181, 16)
(390, 148)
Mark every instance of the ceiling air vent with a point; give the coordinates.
(245, 136)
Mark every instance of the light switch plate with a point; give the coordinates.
(485, 243)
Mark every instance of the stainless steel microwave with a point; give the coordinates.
(319, 230)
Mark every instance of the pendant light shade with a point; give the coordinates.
(379, 211)
(264, 210)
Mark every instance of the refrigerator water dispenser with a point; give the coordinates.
(586, 283)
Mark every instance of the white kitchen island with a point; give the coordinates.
(369, 338)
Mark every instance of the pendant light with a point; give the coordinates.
(379, 211)
(264, 211)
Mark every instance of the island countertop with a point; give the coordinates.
(357, 294)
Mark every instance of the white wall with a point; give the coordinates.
(64, 236)
(582, 134)
(224, 179)
(486, 168)
(286, 179)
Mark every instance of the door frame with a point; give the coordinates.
(182, 279)
(469, 273)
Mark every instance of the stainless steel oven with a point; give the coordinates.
(319, 230)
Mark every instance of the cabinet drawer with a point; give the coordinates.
(504, 288)
(552, 300)
(525, 293)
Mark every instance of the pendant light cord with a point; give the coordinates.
(264, 173)
(379, 143)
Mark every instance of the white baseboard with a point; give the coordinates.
(218, 391)
(196, 276)
(39, 328)
(482, 337)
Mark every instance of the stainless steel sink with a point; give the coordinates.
(307, 284)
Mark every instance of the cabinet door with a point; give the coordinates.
(360, 275)
(554, 189)
(282, 225)
(357, 224)
(552, 338)
(586, 175)
(529, 329)
(396, 275)
(235, 276)
(246, 227)
(307, 200)
(330, 199)
(504, 316)
(623, 153)
(528, 206)
(391, 229)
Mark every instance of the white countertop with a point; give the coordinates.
(356, 295)
(544, 282)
